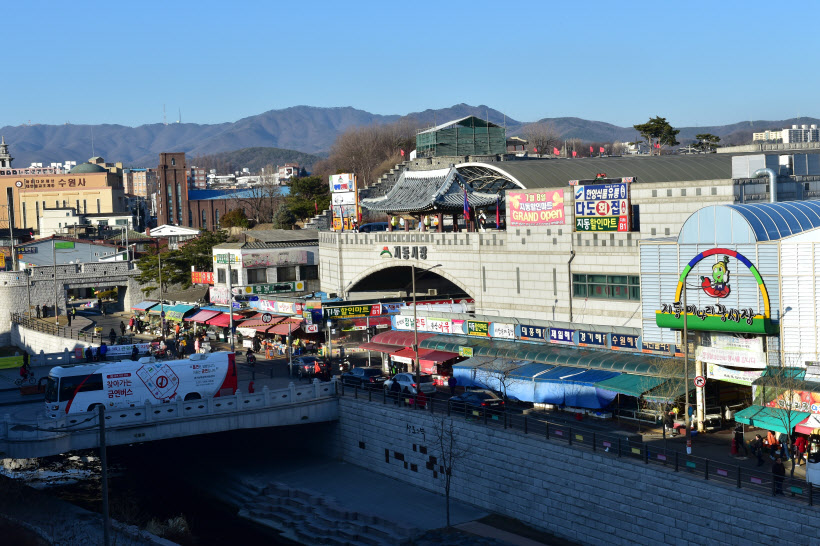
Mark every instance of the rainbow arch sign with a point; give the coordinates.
(717, 317)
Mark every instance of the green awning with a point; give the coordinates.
(774, 419)
(668, 391)
(629, 384)
(545, 353)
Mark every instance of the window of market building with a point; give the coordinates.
(610, 287)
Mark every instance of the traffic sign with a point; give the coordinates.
(700, 381)
(267, 317)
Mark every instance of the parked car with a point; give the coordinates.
(479, 398)
(305, 366)
(373, 226)
(407, 382)
(364, 378)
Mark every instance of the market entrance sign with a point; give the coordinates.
(717, 317)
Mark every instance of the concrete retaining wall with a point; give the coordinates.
(572, 493)
(47, 349)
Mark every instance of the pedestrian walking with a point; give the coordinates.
(784, 446)
(122, 328)
(37, 310)
(103, 350)
(68, 316)
(452, 382)
(135, 353)
(89, 354)
(779, 475)
(800, 445)
(740, 441)
(73, 312)
(131, 324)
(112, 336)
(395, 391)
(757, 449)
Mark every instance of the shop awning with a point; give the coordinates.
(630, 384)
(144, 305)
(380, 347)
(405, 356)
(218, 308)
(543, 353)
(668, 391)
(809, 425)
(202, 316)
(176, 312)
(401, 339)
(286, 327)
(223, 320)
(429, 355)
(775, 419)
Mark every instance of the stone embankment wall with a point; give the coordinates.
(572, 493)
(46, 348)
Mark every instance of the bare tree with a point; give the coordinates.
(369, 151)
(260, 201)
(498, 375)
(664, 388)
(450, 454)
(783, 390)
(541, 136)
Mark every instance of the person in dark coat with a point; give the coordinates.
(103, 350)
(37, 310)
(779, 475)
(740, 441)
(89, 354)
(122, 328)
(452, 382)
(135, 353)
(395, 391)
(112, 336)
(757, 449)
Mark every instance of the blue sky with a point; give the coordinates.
(695, 63)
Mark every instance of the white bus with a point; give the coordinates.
(128, 383)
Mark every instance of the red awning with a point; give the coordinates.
(405, 353)
(285, 328)
(431, 355)
(808, 425)
(223, 320)
(380, 347)
(373, 321)
(399, 339)
(202, 316)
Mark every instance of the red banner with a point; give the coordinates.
(202, 277)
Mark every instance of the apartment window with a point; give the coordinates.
(698, 191)
(190, 218)
(56, 204)
(683, 192)
(173, 161)
(204, 224)
(608, 287)
(122, 222)
(308, 272)
(65, 204)
(78, 206)
(257, 276)
(179, 204)
(668, 193)
(103, 223)
(284, 274)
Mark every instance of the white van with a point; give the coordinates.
(128, 383)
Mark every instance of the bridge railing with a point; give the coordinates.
(47, 429)
(55, 330)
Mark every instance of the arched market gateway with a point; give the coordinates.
(747, 274)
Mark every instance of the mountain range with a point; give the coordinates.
(306, 129)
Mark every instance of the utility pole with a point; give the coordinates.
(686, 373)
(54, 257)
(104, 478)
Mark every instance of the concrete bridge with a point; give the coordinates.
(294, 405)
(20, 290)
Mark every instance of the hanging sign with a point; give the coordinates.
(602, 207)
(536, 208)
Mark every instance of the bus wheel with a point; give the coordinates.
(192, 396)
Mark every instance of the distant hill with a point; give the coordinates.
(308, 129)
(254, 159)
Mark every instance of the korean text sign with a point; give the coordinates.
(536, 208)
(602, 207)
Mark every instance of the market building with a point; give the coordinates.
(567, 277)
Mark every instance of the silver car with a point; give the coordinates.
(407, 383)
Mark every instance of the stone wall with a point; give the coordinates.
(572, 493)
(47, 349)
(17, 294)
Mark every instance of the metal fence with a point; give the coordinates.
(55, 330)
(760, 481)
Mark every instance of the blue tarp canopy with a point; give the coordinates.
(575, 387)
(144, 305)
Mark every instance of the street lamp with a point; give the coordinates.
(417, 369)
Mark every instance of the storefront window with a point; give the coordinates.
(257, 276)
(284, 274)
(613, 287)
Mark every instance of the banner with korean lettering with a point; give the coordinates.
(202, 277)
(533, 333)
(562, 335)
(588, 338)
(536, 208)
(602, 207)
(352, 311)
(478, 328)
(502, 330)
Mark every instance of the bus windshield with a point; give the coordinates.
(51, 390)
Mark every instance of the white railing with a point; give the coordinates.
(47, 429)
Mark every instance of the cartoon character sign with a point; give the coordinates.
(717, 286)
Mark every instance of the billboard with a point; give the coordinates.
(342, 182)
(536, 208)
(602, 206)
(343, 198)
